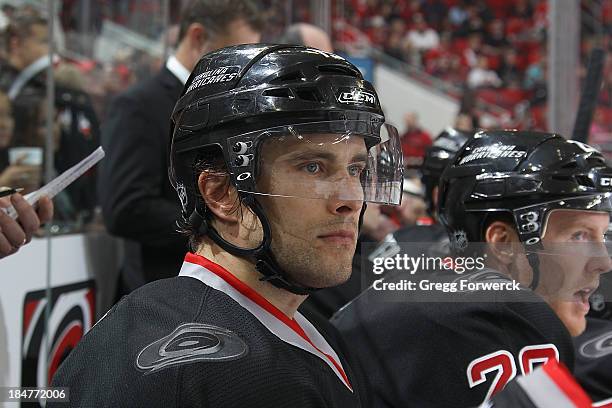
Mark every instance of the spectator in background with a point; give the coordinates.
(495, 40)
(422, 37)
(434, 12)
(535, 81)
(33, 113)
(8, 10)
(521, 9)
(535, 74)
(466, 122)
(308, 35)
(406, 9)
(442, 62)
(27, 48)
(473, 24)
(414, 141)
(458, 14)
(483, 77)
(395, 45)
(26, 74)
(138, 202)
(377, 29)
(509, 71)
(473, 50)
(12, 174)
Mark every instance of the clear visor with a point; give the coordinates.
(578, 226)
(341, 160)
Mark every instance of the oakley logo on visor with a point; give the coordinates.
(356, 95)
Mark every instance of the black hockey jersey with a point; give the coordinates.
(205, 339)
(431, 233)
(449, 354)
(594, 360)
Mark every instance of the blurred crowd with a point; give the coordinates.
(496, 48)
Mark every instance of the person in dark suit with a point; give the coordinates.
(138, 202)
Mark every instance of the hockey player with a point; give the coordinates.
(524, 193)
(275, 149)
(437, 156)
(594, 347)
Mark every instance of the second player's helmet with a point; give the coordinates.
(244, 99)
(437, 156)
(526, 175)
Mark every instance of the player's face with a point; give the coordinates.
(573, 258)
(314, 239)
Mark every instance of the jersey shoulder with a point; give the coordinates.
(403, 345)
(594, 358)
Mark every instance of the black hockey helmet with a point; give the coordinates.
(525, 174)
(437, 156)
(240, 98)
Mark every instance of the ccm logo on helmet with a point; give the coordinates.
(356, 95)
(605, 181)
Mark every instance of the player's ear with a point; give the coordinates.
(197, 34)
(219, 196)
(500, 238)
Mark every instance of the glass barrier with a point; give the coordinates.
(61, 64)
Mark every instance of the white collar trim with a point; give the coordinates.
(271, 322)
(178, 69)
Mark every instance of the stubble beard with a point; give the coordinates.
(310, 266)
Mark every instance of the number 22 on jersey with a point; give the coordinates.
(502, 367)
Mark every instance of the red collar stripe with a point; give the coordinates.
(247, 291)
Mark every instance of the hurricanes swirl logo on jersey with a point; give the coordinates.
(189, 343)
(598, 347)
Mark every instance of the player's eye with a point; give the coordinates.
(355, 170)
(312, 167)
(580, 236)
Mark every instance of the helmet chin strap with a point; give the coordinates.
(534, 262)
(262, 254)
(266, 263)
